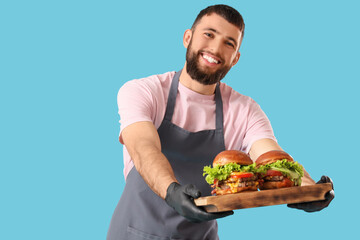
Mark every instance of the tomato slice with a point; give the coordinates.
(241, 175)
(273, 173)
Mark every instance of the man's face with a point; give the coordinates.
(212, 49)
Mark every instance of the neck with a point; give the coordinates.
(194, 85)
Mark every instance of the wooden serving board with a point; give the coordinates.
(264, 198)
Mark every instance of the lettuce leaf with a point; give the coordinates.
(224, 171)
(292, 170)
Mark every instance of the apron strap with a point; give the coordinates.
(172, 97)
(219, 108)
(172, 100)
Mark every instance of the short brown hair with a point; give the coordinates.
(228, 13)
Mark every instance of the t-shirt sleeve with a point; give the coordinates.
(135, 104)
(258, 127)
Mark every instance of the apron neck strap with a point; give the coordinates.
(219, 108)
(172, 100)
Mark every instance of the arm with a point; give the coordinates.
(142, 141)
(264, 145)
(143, 144)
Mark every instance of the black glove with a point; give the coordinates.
(317, 205)
(181, 198)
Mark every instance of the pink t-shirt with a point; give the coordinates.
(145, 100)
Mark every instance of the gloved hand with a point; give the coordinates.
(181, 198)
(317, 205)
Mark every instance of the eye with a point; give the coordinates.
(209, 35)
(230, 44)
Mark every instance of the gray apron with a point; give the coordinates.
(140, 213)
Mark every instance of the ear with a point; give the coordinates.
(187, 38)
(236, 59)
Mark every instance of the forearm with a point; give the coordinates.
(307, 180)
(143, 144)
(155, 169)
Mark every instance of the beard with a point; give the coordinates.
(203, 76)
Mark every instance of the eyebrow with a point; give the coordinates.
(215, 31)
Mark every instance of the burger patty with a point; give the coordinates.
(247, 184)
(273, 178)
(233, 180)
(236, 183)
(241, 182)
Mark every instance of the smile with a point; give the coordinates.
(210, 59)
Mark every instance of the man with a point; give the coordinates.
(174, 124)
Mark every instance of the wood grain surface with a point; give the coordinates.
(262, 198)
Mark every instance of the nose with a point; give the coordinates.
(215, 47)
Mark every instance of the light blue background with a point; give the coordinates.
(62, 63)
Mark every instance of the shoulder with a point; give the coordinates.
(150, 85)
(234, 99)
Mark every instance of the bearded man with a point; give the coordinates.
(174, 124)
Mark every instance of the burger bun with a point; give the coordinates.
(276, 185)
(232, 156)
(273, 156)
(239, 189)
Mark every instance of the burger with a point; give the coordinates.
(232, 172)
(277, 169)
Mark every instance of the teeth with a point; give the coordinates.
(210, 59)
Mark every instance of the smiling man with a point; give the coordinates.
(212, 49)
(174, 124)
